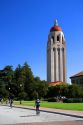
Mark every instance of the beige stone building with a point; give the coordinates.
(77, 79)
(56, 55)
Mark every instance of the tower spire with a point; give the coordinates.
(56, 23)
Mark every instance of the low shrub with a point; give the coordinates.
(72, 100)
(51, 100)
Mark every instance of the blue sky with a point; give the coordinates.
(24, 29)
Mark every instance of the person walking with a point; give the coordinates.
(37, 104)
(11, 102)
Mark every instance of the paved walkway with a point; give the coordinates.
(54, 123)
(78, 114)
(60, 117)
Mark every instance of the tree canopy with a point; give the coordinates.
(21, 83)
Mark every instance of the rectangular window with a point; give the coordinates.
(81, 81)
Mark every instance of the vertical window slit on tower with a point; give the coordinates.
(57, 38)
(62, 40)
(53, 49)
(53, 38)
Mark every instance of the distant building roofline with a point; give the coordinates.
(56, 83)
(77, 75)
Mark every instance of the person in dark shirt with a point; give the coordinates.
(37, 104)
(11, 100)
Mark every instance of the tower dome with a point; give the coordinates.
(55, 27)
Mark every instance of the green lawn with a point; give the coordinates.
(67, 106)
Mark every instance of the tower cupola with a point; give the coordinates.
(56, 27)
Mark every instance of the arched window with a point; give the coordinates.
(52, 38)
(58, 49)
(54, 49)
(62, 40)
(58, 38)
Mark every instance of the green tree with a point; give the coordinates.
(3, 92)
(40, 87)
(28, 79)
(74, 91)
(19, 80)
(7, 77)
(8, 74)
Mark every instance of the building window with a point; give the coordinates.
(81, 81)
(52, 39)
(58, 49)
(77, 81)
(73, 81)
(62, 40)
(53, 49)
(58, 38)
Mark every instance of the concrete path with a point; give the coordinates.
(74, 113)
(54, 123)
(21, 116)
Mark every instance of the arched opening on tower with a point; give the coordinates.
(54, 49)
(63, 64)
(52, 38)
(62, 40)
(58, 39)
(58, 64)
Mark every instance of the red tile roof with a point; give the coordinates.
(78, 74)
(55, 28)
(56, 83)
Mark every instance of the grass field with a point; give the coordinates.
(67, 106)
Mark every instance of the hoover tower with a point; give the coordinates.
(56, 55)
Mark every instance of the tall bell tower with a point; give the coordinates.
(56, 55)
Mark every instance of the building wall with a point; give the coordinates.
(56, 57)
(77, 80)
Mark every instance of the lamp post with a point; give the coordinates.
(9, 95)
(9, 91)
(20, 93)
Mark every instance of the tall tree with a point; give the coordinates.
(19, 80)
(28, 79)
(8, 74)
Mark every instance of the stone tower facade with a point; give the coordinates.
(56, 55)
